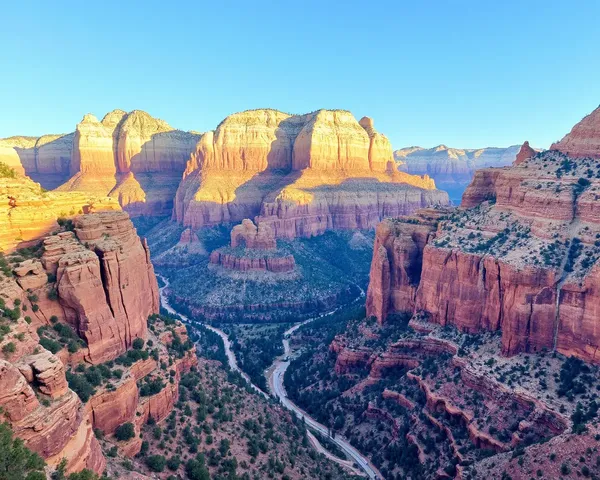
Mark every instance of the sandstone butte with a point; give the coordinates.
(300, 174)
(253, 248)
(99, 280)
(133, 157)
(519, 255)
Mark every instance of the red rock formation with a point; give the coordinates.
(584, 138)
(253, 249)
(525, 153)
(106, 293)
(57, 430)
(519, 255)
(246, 264)
(302, 174)
(397, 261)
(248, 235)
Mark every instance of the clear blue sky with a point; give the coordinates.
(463, 73)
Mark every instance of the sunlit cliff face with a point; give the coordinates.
(267, 162)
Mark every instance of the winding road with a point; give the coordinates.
(275, 376)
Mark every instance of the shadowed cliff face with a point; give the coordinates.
(520, 255)
(300, 174)
(45, 159)
(130, 156)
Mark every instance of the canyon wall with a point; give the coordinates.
(300, 174)
(45, 159)
(94, 275)
(520, 255)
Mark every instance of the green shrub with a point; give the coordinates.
(125, 432)
(156, 463)
(16, 461)
(9, 348)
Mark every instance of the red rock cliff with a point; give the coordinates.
(105, 282)
(519, 255)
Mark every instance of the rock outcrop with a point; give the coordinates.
(133, 157)
(43, 412)
(525, 153)
(452, 168)
(300, 174)
(248, 235)
(520, 255)
(253, 249)
(105, 282)
(584, 138)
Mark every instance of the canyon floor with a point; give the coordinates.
(329, 270)
(424, 401)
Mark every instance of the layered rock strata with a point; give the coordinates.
(27, 212)
(45, 159)
(133, 157)
(300, 174)
(520, 255)
(99, 279)
(105, 282)
(41, 410)
(253, 249)
(584, 139)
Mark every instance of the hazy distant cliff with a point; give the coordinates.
(452, 168)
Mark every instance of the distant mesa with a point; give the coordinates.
(452, 169)
(300, 174)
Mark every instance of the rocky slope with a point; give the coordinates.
(584, 140)
(89, 295)
(452, 168)
(300, 174)
(520, 255)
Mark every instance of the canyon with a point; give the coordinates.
(452, 169)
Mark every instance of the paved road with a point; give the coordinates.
(230, 355)
(275, 382)
(275, 376)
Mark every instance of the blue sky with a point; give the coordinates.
(462, 73)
